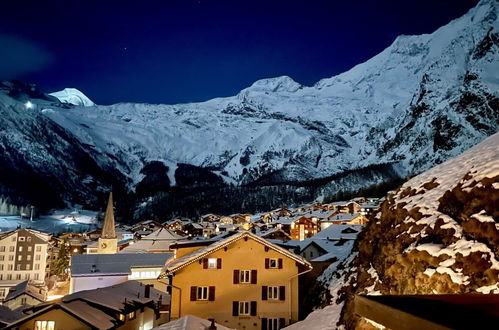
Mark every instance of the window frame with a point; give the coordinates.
(202, 293)
(244, 305)
(273, 293)
(44, 325)
(245, 276)
(275, 261)
(212, 263)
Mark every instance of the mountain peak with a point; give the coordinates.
(277, 84)
(73, 96)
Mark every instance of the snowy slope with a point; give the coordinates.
(438, 234)
(73, 96)
(386, 110)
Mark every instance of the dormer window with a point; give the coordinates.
(212, 263)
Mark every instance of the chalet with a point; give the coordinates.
(299, 227)
(275, 234)
(368, 208)
(212, 282)
(193, 229)
(210, 218)
(92, 271)
(344, 219)
(226, 220)
(241, 219)
(23, 295)
(146, 226)
(156, 242)
(129, 305)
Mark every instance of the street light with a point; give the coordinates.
(29, 105)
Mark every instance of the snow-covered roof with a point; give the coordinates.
(343, 217)
(190, 322)
(162, 234)
(336, 232)
(176, 264)
(99, 308)
(114, 264)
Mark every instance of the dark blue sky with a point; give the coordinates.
(184, 51)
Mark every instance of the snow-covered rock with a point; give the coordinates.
(73, 96)
(437, 234)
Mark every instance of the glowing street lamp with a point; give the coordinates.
(29, 105)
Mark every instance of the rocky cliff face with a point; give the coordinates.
(420, 101)
(438, 234)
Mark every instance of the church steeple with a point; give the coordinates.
(108, 230)
(108, 242)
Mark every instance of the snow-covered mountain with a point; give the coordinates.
(420, 101)
(73, 96)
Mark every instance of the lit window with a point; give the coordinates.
(20, 249)
(44, 325)
(121, 317)
(131, 315)
(29, 247)
(19, 258)
(244, 308)
(28, 267)
(28, 257)
(245, 276)
(212, 263)
(202, 293)
(273, 293)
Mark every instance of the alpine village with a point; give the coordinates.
(368, 200)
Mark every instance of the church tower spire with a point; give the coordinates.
(108, 242)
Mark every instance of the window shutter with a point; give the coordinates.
(236, 276)
(235, 308)
(253, 308)
(205, 263)
(194, 290)
(253, 276)
(282, 323)
(264, 323)
(282, 293)
(267, 263)
(264, 292)
(219, 263)
(211, 294)
(280, 263)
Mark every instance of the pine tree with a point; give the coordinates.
(62, 262)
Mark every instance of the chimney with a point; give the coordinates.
(212, 325)
(147, 292)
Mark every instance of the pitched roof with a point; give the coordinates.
(99, 307)
(162, 234)
(336, 232)
(24, 288)
(177, 264)
(8, 316)
(114, 264)
(190, 322)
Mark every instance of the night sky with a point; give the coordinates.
(184, 51)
